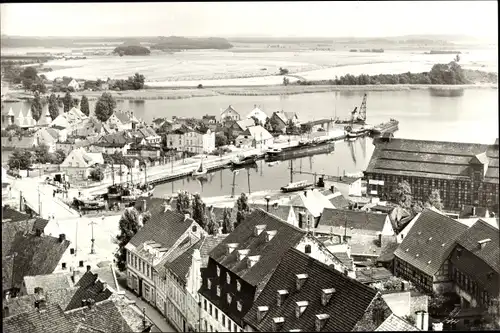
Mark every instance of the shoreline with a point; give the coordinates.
(172, 93)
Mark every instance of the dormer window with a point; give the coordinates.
(252, 260)
(218, 271)
(238, 306)
(261, 312)
(301, 279)
(238, 285)
(209, 284)
(270, 235)
(278, 323)
(258, 229)
(218, 291)
(321, 320)
(228, 278)
(326, 295)
(231, 247)
(300, 308)
(242, 254)
(282, 294)
(229, 298)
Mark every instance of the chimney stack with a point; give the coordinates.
(186, 216)
(144, 206)
(90, 303)
(88, 268)
(473, 210)
(62, 238)
(104, 286)
(38, 232)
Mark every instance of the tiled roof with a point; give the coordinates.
(245, 124)
(436, 159)
(468, 210)
(365, 245)
(123, 116)
(344, 258)
(15, 142)
(281, 211)
(429, 241)
(259, 133)
(387, 253)
(52, 320)
(373, 274)
(25, 303)
(490, 254)
(396, 324)
(89, 287)
(181, 265)
(340, 202)
(47, 282)
(230, 109)
(164, 228)
(345, 308)
(270, 252)
(356, 219)
(32, 255)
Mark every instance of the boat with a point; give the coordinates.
(274, 151)
(356, 132)
(273, 163)
(296, 186)
(244, 160)
(357, 117)
(88, 204)
(300, 151)
(200, 171)
(252, 165)
(390, 126)
(114, 192)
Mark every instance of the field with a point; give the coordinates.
(254, 65)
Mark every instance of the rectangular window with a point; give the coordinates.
(205, 304)
(210, 310)
(217, 314)
(223, 320)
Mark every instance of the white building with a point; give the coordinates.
(259, 114)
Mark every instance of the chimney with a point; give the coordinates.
(482, 243)
(258, 229)
(39, 292)
(278, 323)
(425, 321)
(301, 279)
(380, 240)
(62, 238)
(90, 303)
(252, 260)
(270, 235)
(6, 312)
(282, 294)
(321, 321)
(332, 189)
(326, 295)
(404, 285)
(38, 232)
(231, 247)
(275, 205)
(88, 268)
(41, 305)
(261, 312)
(144, 206)
(242, 254)
(186, 216)
(104, 286)
(473, 210)
(300, 307)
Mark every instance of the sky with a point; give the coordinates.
(260, 19)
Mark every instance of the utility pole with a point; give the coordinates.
(291, 171)
(121, 174)
(234, 179)
(76, 237)
(113, 172)
(92, 249)
(39, 203)
(248, 176)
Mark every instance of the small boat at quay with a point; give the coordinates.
(244, 160)
(296, 186)
(200, 170)
(390, 126)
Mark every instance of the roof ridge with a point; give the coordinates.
(434, 141)
(281, 220)
(484, 223)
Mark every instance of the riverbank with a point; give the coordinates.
(186, 92)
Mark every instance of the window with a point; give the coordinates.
(194, 229)
(218, 291)
(210, 309)
(234, 327)
(238, 285)
(238, 305)
(223, 320)
(205, 304)
(308, 249)
(209, 284)
(218, 271)
(63, 265)
(217, 314)
(228, 278)
(80, 263)
(229, 298)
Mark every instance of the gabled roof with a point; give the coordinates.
(53, 320)
(259, 133)
(31, 255)
(287, 236)
(430, 241)
(395, 324)
(345, 308)
(312, 200)
(123, 116)
(281, 211)
(181, 265)
(490, 254)
(89, 286)
(229, 109)
(436, 159)
(339, 202)
(257, 113)
(356, 219)
(82, 158)
(164, 227)
(245, 124)
(47, 282)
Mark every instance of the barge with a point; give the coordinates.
(296, 186)
(299, 151)
(387, 127)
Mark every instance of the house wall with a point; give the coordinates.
(176, 302)
(415, 276)
(208, 142)
(76, 173)
(374, 316)
(469, 290)
(453, 193)
(230, 115)
(212, 318)
(442, 281)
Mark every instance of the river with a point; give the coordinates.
(472, 117)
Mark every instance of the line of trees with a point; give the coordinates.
(24, 158)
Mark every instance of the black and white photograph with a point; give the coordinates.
(258, 166)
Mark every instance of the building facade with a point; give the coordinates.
(464, 173)
(229, 114)
(190, 140)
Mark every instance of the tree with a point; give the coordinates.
(434, 200)
(227, 224)
(286, 81)
(268, 125)
(53, 108)
(199, 211)
(183, 202)
(39, 87)
(283, 71)
(36, 107)
(128, 225)
(220, 140)
(29, 73)
(105, 107)
(67, 102)
(41, 154)
(306, 128)
(243, 209)
(290, 127)
(212, 225)
(58, 156)
(96, 174)
(457, 58)
(20, 159)
(402, 195)
(75, 102)
(84, 105)
(145, 217)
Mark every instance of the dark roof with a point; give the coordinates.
(467, 211)
(164, 227)
(317, 122)
(432, 238)
(52, 320)
(230, 108)
(339, 202)
(373, 274)
(25, 303)
(434, 159)
(344, 258)
(32, 255)
(181, 265)
(481, 230)
(387, 253)
(357, 219)
(123, 116)
(103, 316)
(89, 287)
(345, 308)
(383, 209)
(280, 211)
(396, 324)
(120, 138)
(219, 214)
(270, 253)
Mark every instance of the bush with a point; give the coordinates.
(220, 140)
(96, 174)
(200, 86)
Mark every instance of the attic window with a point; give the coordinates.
(300, 308)
(278, 323)
(321, 321)
(242, 254)
(209, 284)
(218, 271)
(231, 247)
(442, 245)
(307, 249)
(429, 262)
(229, 298)
(261, 312)
(301, 279)
(406, 250)
(238, 305)
(430, 238)
(417, 255)
(270, 235)
(326, 295)
(252, 261)
(218, 291)
(238, 285)
(282, 294)
(228, 278)
(258, 229)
